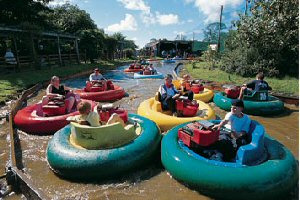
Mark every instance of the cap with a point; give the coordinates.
(96, 69)
(237, 103)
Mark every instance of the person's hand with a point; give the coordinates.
(176, 96)
(216, 127)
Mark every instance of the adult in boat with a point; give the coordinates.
(55, 90)
(151, 69)
(238, 125)
(256, 85)
(91, 118)
(169, 94)
(95, 79)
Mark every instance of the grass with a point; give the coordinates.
(286, 85)
(13, 83)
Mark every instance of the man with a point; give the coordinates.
(96, 76)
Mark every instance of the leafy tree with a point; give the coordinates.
(92, 43)
(15, 12)
(70, 19)
(211, 32)
(267, 39)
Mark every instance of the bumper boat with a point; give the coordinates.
(134, 68)
(168, 61)
(142, 75)
(43, 120)
(152, 109)
(253, 105)
(105, 92)
(200, 93)
(92, 153)
(263, 169)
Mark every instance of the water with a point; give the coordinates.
(151, 182)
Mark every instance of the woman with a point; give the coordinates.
(54, 89)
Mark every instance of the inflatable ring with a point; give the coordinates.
(271, 107)
(268, 180)
(150, 109)
(29, 121)
(76, 163)
(108, 95)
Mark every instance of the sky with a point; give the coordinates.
(142, 20)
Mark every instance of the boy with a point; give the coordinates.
(255, 85)
(87, 116)
(239, 125)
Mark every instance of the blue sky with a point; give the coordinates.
(141, 20)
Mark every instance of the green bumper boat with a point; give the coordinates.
(263, 169)
(252, 105)
(88, 153)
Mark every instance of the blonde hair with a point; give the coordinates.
(53, 78)
(83, 107)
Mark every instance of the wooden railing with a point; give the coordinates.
(15, 176)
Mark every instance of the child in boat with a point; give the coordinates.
(185, 86)
(256, 85)
(112, 119)
(239, 125)
(91, 118)
(54, 89)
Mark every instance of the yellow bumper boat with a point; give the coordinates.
(206, 95)
(152, 109)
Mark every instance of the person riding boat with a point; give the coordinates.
(169, 94)
(186, 85)
(54, 89)
(94, 79)
(91, 118)
(238, 124)
(256, 85)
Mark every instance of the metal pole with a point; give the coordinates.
(219, 42)
(77, 51)
(59, 53)
(246, 7)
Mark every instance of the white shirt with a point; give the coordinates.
(94, 77)
(237, 124)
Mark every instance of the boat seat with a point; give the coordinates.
(254, 152)
(257, 96)
(157, 104)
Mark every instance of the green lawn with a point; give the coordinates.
(11, 84)
(287, 85)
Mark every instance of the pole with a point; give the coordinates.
(246, 7)
(219, 45)
(59, 52)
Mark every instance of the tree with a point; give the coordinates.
(70, 19)
(18, 11)
(211, 32)
(92, 43)
(270, 35)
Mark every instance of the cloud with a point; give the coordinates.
(127, 24)
(167, 19)
(162, 19)
(59, 2)
(135, 5)
(211, 9)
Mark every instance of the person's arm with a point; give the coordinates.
(68, 88)
(223, 122)
(251, 85)
(91, 77)
(162, 92)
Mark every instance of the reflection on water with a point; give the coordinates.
(151, 182)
